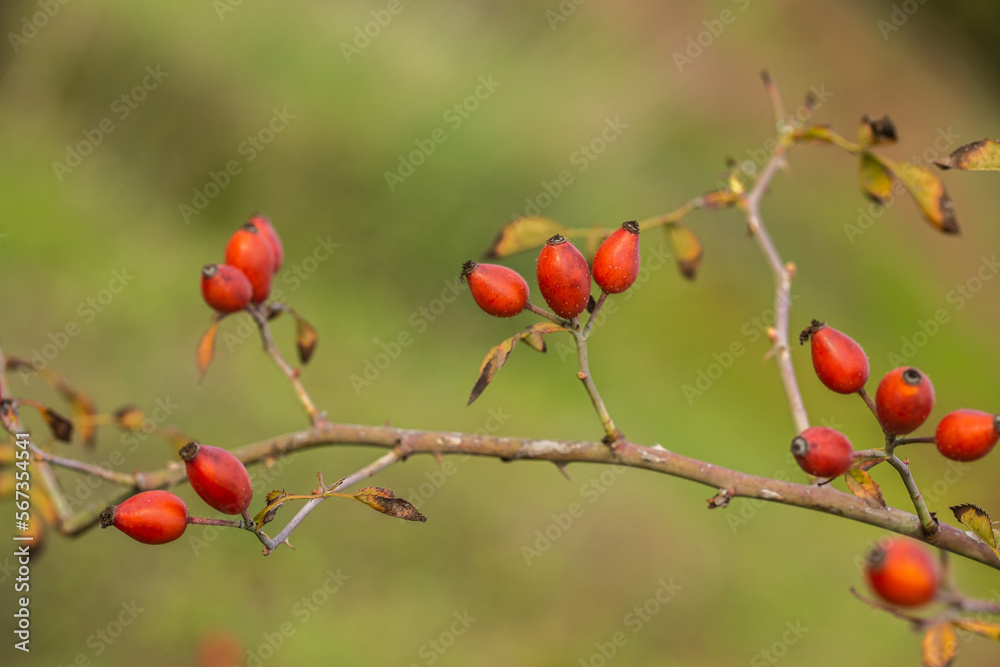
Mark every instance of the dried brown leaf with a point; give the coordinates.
(978, 520)
(206, 348)
(62, 428)
(494, 361)
(385, 501)
(306, 338)
(929, 193)
(861, 484)
(875, 131)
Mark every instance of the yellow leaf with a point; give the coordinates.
(861, 484)
(940, 645)
(206, 348)
(523, 234)
(493, 362)
(984, 628)
(982, 155)
(978, 520)
(686, 247)
(929, 193)
(876, 180)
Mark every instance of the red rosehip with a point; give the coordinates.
(249, 251)
(967, 435)
(822, 451)
(904, 399)
(616, 262)
(264, 226)
(225, 288)
(563, 277)
(902, 572)
(839, 362)
(499, 291)
(218, 477)
(150, 517)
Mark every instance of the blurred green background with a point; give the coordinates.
(215, 79)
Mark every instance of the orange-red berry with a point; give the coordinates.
(225, 288)
(967, 435)
(218, 477)
(563, 277)
(823, 451)
(249, 251)
(616, 262)
(902, 572)
(840, 363)
(904, 400)
(264, 226)
(499, 291)
(150, 517)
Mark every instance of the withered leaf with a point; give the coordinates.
(9, 417)
(979, 521)
(939, 645)
(306, 338)
(82, 406)
(523, 234)
(861, 484)
(983, 628)
(206, 348)
(875, 178)
(266, 515)
(494, 361)
(875, 131)
(686, 248)
(129, 417)
(385, 501)
(929, 193)
(982, 155)
(62, 428)
(535, 341)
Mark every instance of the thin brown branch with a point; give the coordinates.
(292, 374)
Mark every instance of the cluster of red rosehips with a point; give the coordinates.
(562, 273)
(253, 255)
(900, 571)
(158, 517)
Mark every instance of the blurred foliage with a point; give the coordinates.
(107, 248)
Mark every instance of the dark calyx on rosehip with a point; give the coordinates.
(498, 290)
(563, 277)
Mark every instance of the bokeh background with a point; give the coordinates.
(368, 262)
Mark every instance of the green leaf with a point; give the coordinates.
(876, 179)
(940, 645)
(686, 248)
(386, 502)
(982, 155)
(861, 484)
(523, 234)
(978, 520)
(929, 193)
